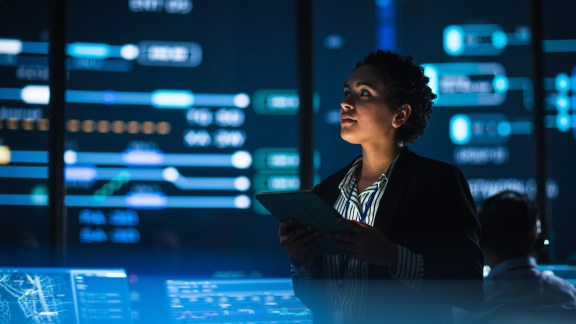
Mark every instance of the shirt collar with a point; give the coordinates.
(351, 176)
(528, 262)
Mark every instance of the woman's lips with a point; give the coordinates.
(346, 121)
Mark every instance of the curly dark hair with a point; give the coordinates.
(509, 223)
(406, 84)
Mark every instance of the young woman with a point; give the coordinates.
(414, 251)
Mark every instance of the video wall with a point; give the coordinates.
(179, 111)
(64, 295)
(24, 125)
(479, 59)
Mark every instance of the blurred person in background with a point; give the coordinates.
(516, 291)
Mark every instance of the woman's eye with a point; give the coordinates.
(364, 93)
(346, 94)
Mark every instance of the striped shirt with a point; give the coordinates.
(347, 277)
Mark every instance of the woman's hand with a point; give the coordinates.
(367, 244)
(298, 240)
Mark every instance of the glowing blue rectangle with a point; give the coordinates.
(169, 202)
(558, 267)
(171, 159)
(559, 45)
(145, 174)
(136, 174)
(201, 202)
(480, 129)
(216, 160)
(573, 86)
(386, 29)
(89, 50)
(474, 39)
(85, 173)
(91, 201)
(206, 183)
(142, 157)
(521, 127)
(29, 156)
(132, 98)
(28, 172)
(108, 97)
(85, 96)
(115, 51)
(10, 94)
(80, 173)
(146, 200)
(211, 202)
(35, 47)
(214, 100)
(99, 158)
(172, 99)
(24, 200)
(107, 158)
(467, 84)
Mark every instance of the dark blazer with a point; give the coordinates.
(428, 208)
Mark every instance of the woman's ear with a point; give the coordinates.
(402, 115)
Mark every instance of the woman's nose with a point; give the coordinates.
(347, 104)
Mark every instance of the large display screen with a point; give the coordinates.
(479, 59)
(24, 124)
(64, 295)
(179, 111)
(240, 300)
(176, 112)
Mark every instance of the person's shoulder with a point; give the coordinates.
(554, 282)
(430, 164)
(329, 185)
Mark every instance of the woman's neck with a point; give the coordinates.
(375, 162)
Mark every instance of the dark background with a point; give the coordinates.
(249, 46)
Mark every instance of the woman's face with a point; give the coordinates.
(365, 116)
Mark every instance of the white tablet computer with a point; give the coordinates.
(306, 208)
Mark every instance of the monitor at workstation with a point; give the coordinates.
(64, 295)
(255, 300)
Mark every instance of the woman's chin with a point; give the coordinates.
(349, 138)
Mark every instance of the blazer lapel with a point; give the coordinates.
(395, 189)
